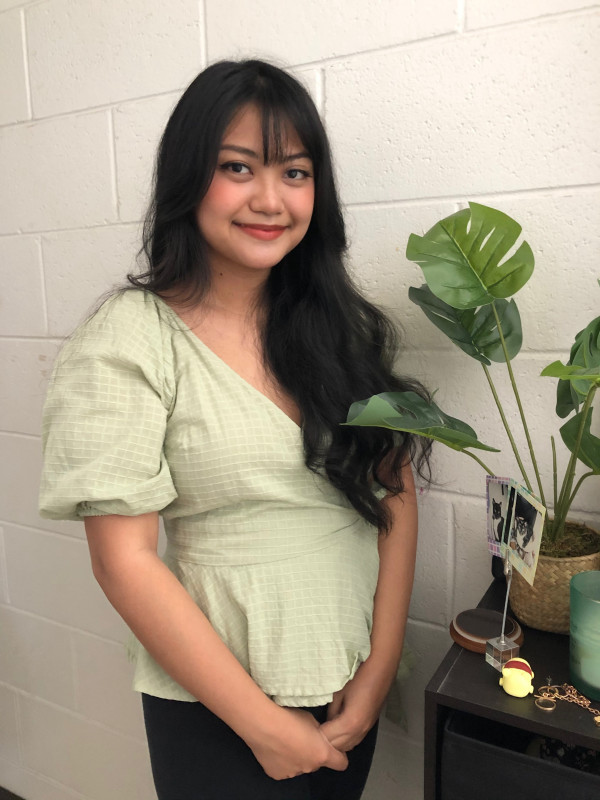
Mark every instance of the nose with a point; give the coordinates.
(267, 197)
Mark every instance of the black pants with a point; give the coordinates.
(196, 756)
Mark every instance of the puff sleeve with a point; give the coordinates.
(106, 413)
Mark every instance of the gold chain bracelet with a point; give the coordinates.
(549, 694)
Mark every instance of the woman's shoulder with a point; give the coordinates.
(131, 325)
(125, 316)
(129, 309)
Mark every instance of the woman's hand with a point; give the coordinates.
(355, 708)
(296, 747)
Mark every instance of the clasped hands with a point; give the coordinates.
(305, 746)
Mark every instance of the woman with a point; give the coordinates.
(213, 393)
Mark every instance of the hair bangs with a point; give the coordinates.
(285, 110)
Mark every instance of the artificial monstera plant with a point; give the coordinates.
(470, 283)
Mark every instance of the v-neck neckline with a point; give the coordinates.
(217, 358)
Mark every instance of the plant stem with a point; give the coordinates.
(519, 404)
(554, 471)
(565, 498)
(547, 524)
(506, 427)
(479, 461)
(578, 485)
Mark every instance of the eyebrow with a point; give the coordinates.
(253, 154)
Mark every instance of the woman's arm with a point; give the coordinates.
(355, 708)
(178, 635)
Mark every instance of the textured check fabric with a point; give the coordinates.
(142, 416)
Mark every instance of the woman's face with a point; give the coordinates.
(253, 213)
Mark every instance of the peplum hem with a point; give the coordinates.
(300, 628)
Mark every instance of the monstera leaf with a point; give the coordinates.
(581, 370)
(461, 257)
(408, 412)
(474, 331)
(589, 449)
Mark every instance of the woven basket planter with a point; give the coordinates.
(545, 605)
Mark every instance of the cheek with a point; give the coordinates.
(304, 205)
(220, 198)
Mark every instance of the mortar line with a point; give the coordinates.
(204, 37)
(42, 266)
(3, 565)
(34, 529)
(451, 578)
(26, 62)
(533, 192)
(50, 231)
(461, 15)
(513, 23)
(63, 625)
(70, 712)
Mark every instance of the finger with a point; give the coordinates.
(335, 733)
(337, 760)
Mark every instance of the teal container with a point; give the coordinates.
(584, 647)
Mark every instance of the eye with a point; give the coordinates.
(297, 174)
(236, 168)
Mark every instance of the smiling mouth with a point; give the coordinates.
(264, 232)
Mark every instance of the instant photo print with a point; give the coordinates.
(523, 534)
(497, 506)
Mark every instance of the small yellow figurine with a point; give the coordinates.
(517, 677)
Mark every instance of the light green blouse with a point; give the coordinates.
(142, 416)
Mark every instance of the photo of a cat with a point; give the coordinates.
(497, 504)
(525, 523)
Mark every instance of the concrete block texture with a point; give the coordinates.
(397, 769)
(562, 295)
(35, 560)
(428, 644)
(377, 236)
(430, 598)
(138, 127)
(96, 53)
(22, 304)
(104, 694)
(86, 757)
(25, 366)
(9, 736)
(60, 174)
(26, 783)
(14, 106)
(472, 568)
(321, 30)
(5, 5)
(36, 657)
(480, 15)
(3, 579)
(80, 266)
(469, 114)
(20, 469)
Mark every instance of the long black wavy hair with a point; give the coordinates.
(323, 342)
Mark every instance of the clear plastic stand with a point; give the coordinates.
(501, 649)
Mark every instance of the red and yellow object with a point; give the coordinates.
(517, 677)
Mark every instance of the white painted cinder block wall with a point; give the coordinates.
(428, 105)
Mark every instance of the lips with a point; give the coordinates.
(263, 232)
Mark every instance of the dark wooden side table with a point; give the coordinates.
(465, 682)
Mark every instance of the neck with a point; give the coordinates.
(238, 294)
